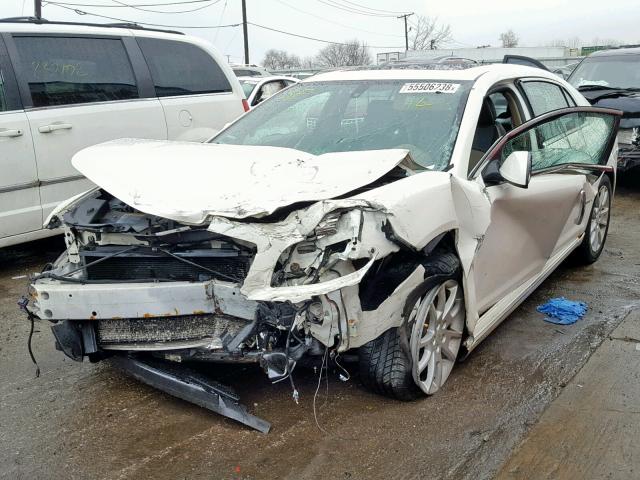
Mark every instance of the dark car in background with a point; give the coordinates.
(611, 79)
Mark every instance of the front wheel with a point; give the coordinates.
(598, 225)
(416, 358)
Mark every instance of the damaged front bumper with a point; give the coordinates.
(143, 288)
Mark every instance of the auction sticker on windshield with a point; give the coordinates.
(429, 87)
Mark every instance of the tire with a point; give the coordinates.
(385, 363)
(598, 225)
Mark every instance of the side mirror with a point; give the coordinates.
(516, 169)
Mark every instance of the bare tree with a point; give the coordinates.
(509, 39)
(427, 34)
(309, 62)
(280, 60)
(349, 53)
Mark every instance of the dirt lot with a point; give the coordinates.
(90, 421)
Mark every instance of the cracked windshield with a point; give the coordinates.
(422, 116)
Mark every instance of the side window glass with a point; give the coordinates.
(180, 68)
(62, 71)
(544, 97)
(573, 138)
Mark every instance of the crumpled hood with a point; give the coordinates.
(189, 182)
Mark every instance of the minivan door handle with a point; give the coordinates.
(54, 126)
(10, 132)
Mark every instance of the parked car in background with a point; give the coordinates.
(383, 211)
(64, 87)
(611, 78)
(249, 71)
(258, 89)
(565, 70)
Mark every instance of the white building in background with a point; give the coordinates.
(550, 56)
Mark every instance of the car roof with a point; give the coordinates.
(265, 79)
(616, 51)
(470, 74)
(120, 29)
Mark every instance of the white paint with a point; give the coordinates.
(36, 161)
(508, 238)
(225, 180)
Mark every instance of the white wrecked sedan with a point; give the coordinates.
(399, 214)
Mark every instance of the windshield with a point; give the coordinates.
(422, 116)
(248, 87)
(615, 71)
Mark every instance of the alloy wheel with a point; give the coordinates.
(437, 321)
(599, 219)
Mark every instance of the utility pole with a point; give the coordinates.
(37, 9)
(406, 31)
(244, 31)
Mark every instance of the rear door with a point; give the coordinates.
(78, 91)
(20, 210)
(195, 93)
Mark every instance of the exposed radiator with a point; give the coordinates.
(166, 329)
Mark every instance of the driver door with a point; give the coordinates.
(530, 224)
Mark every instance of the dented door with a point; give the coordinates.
(569, 150)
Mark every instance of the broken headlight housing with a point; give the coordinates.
(327, 227)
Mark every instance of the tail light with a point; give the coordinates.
(245, 104)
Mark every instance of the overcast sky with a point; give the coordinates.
(473, 22)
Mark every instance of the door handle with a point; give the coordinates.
(54, 126)
(10, 132)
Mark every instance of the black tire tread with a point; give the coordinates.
(384, 366)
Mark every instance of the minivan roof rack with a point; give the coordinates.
(40, 21)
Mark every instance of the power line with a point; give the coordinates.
(224, 7)
(136, 7)
(374, 9)
(110, 5)
(336, 23)
(82, 12)
(346, 8)
(312, 38)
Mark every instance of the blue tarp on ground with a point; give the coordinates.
(562, 311)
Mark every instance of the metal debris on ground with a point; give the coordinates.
(562, 311)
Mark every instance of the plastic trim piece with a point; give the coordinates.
(192, 387)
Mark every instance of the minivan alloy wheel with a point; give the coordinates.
(437, 323)
(599, 218)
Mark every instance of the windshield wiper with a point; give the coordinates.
(586, 88)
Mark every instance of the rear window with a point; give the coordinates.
(246, 73)
(62, 71)
(180, 68)
(247, 87)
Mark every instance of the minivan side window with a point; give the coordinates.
(180, 68)
(70, 70)
(544, 97)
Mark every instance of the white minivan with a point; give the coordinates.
(66, 86)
